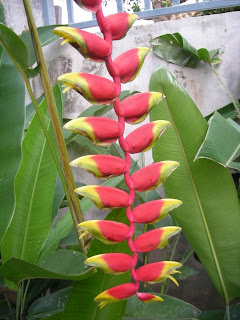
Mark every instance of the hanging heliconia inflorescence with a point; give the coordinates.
(104, 132)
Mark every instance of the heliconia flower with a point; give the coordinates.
(158, 271)
(129, 63)
(114, 263)
(154, 211)
(88, 44)
(92, 128)
(95, 89)
(148, 297)
(102, 166)
(105, 197)
(120, 23)
(137, 107)
(115, 294)
(109, 232)
(144, 137)
(154, 239)
(152, 176)
(90, 5)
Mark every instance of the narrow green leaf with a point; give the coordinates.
(58, 198)
(12, 97)
(30, 111)
(15, 47)
(49, 305)
(2, 14)
(69, 266)
(33, 72)
(61, 229)
(34, 190)
(171, 308)
(222, 142)
(85, 291)
(209, 216)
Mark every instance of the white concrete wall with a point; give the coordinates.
(211, 32)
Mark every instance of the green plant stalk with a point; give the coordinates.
(24, 297)
(236, 104)
(76, 213)
(7, 300)
(171, 258)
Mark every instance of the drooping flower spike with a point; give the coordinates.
(104, 132)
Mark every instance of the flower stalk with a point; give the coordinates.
(51, 104)
(103, 132)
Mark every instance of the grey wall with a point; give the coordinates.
(211, 32)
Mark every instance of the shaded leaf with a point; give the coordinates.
(69, 266)
(227, 111)
(32, 73)
(49, 305)
(222, 142)
(15, 47)
(58, 197)
(210, 204)
(171, 308)
(175, 49)
(212, 315)
(60, 230)
(234, 310)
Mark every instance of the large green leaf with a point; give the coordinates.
(171, 308)
(34, 190)
(174, 48)
(227, 111)
(222, 142)
(209, 216)
(62, 264)
(15, 47)
(12, 97)
(49, 305)
(85, 291)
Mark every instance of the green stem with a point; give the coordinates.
(74, 202)
(24, 297)
(227, 311)
(174, 247)
(171, 258)
(187, 256)
(7, 300)
(236, 104)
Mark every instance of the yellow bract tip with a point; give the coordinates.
(173, 280)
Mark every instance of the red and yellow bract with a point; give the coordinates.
(104, 132)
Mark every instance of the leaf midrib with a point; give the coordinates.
(200, 206)
(33, 193)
